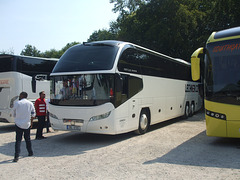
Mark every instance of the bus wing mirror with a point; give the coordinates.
(195, 64)
(33, 84)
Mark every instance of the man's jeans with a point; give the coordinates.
(19, 133)
(41, 123)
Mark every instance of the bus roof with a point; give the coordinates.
(119, 43)
(12, 55)
(228, 34)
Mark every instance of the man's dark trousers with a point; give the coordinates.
(41, 123)
(19, 133)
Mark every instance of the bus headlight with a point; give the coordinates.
(101, 116)
(53, 115)
(216, 115)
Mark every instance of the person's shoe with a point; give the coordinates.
(40, 138)
(30, 154)
(15, 159)
(49, 131)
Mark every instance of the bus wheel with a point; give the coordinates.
(187, 109)
(192, 109)
(144, 122)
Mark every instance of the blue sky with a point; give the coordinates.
(51, 24)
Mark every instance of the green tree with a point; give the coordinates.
(159, 25)
(224, 15)
(30, 50)
(9, 51)
(126, 6)
(68, 45)
(101, 35)
(174, 27)
(53, 53)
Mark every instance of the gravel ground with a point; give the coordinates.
(176, 149)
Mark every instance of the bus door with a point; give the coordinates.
(131, 87)
(127, 88)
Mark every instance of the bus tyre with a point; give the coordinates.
(144, 122)
(192, 110)
(187, 111)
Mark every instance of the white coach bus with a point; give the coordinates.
(22, 73)
(113, 87)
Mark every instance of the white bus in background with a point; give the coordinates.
(22, 73)
(113, 87)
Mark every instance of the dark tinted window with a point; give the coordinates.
(135, 85)
(32, 66)
(222, 74)
(87, 58)
(130, 86)
(182, 72)
(6, 64)
(129, 61)
(153, 65)
(146, 63)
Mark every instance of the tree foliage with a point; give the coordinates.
(53, 53)
(9, 51)
(30, 50)
(173, 27)
(126, 6)
(101, 35)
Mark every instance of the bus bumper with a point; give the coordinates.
(222, 120)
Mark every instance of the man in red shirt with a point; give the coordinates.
(41, 112)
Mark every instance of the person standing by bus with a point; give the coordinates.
(24, 113)
(41, 111)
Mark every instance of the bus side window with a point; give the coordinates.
(124, 88)
(135, 85)
(121, 88)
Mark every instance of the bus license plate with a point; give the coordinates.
(70, 127)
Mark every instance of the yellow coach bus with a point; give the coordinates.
(221, 73)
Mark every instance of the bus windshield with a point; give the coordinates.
(82, 90)
(222, 74)
(87, 57)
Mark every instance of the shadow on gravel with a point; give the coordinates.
(71, 143)
(7, 127)
(66, 143)
(10, 127)
(204, 151)
(199, 116)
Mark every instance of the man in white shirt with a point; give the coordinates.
(24, 112)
